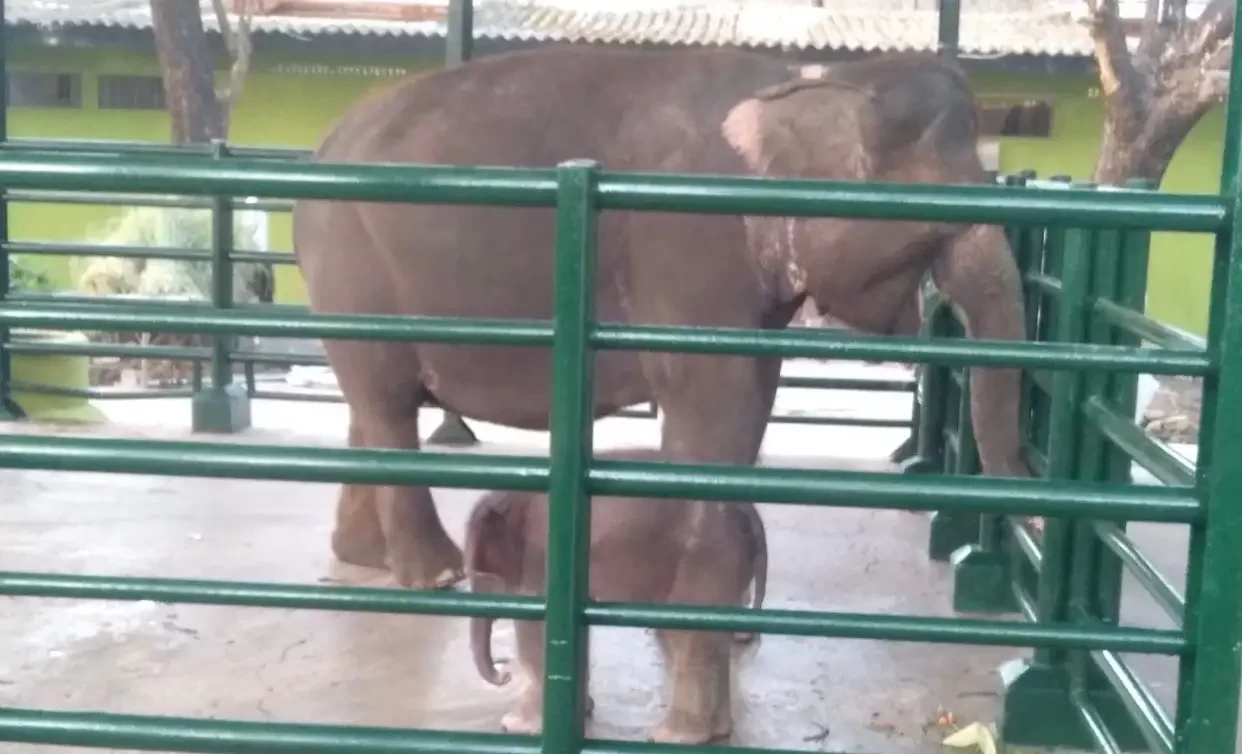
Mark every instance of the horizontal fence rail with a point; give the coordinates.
(717, 341)
(1065, 369)
(606, 477)
(436, 184)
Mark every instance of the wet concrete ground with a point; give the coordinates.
(310, 666)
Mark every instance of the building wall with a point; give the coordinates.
(281, 107)
(1180, 271)
(277, 109)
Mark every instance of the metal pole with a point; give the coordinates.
(224, 407)
(459, 46)
(221, 278)
(1209, 680)
(8, 407)
(569, 506)
(950, 23)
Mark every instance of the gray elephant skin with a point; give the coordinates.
(684, 552)
(907, 118)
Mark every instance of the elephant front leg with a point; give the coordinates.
(697, 663)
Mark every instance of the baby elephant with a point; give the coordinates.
(642, 550)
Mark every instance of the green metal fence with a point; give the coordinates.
(1083, 252)
(1082, 285)
(223, 355)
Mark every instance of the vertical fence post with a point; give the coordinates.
(8, 407)
(569, 513)
(927, 430)
(223, 407)
(950, 18)
(1037, 706)
(982, 580)
(943, 436)
(459, 41)
(1119, 273)
(1038, 244)
(1065, 438)
(1208, 683)
(458, 48)
(1121, 276)
(908, 450)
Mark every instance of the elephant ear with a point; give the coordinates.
(801, 128)
(494, 542)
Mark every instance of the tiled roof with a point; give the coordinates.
(988, 28)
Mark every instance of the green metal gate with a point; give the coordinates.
(1083, 251)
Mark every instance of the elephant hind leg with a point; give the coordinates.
(526, 717)
(697, 665)
(420, 552)
(357, 537)
(394, 527)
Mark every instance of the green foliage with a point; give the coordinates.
(23, 277)
(169, 227)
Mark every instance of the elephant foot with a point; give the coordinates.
(357, 538)
(366, 549)
(425, 566)
(678, 730)
(524, 720)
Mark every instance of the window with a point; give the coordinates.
(1030, 119)
(131, 93)
(30, 89)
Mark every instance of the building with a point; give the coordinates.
(87, 69)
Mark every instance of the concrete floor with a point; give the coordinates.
(308, 666)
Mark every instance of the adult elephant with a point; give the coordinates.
(889, 118)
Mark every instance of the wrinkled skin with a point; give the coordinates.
(891, 118)
(642, 550)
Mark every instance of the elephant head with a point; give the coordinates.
(891, 119)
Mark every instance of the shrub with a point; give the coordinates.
(23, 277)
(169, 227)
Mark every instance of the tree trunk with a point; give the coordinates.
(1140, 143)
(194, 112)
(1155, 94)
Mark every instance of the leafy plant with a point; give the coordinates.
(167, 227)
(23, 277)
(170, 227)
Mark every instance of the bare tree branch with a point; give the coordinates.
(1116, 68)
(237, 42)
(1213, 29)
(1215, 74)
(1154, 34)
